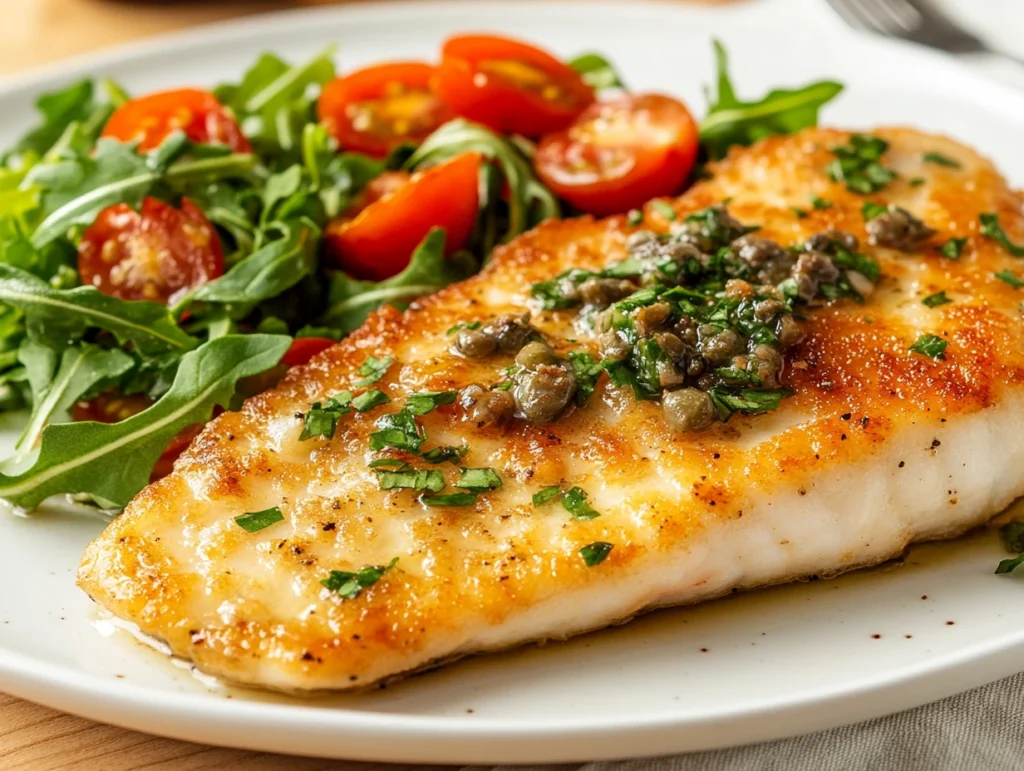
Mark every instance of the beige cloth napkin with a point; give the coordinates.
(981, 730)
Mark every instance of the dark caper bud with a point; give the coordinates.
(612, 346)
(688, 409)
(766, 363)
(475, 343)
(897, 229)
(604, 291)
(650, 317)
(542, 393)
(485, 407)
(789, 332)
(823, 241)
(813, 269)
(719, 345)
(534, 354)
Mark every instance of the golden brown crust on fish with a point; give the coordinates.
(752, 501)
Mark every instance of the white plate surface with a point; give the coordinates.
(753, 667)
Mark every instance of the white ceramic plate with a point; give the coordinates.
(753, 667)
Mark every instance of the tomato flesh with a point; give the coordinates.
(510, 86)
(620, 154)
(376, 109)
(157, 253)
(378, 241)
(305, 348)
(114, 409)
(150, 119)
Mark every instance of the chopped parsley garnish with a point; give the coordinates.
(935, 300)
(917, 181)
(953, 248)
(350, 585)
(464, 325)
(322, 418)
(452, 499)
(990, 228)
(748, 401)
(547, 494)
(820, 203)
(857, 164)
(1009, 277)
(800, 213)
(595, 553)
(664, 209)
(445, 453)
(372, 398)
(587, 370)
(388, 463)
(479, 479)
(941, 160)
(426, 401)
(372, 370)
(574, 501)
(411, 479)
(399, 430)
(255, 521)
(930, 345)
(870, 210)
(634, 217)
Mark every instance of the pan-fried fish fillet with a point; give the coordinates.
(877, 448)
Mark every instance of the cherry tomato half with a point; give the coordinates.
(305, 348)
(113, 409)
(150, 119)
(376, 109)
(377, 242)
(620, 154)
(509, 86)
(156, 253)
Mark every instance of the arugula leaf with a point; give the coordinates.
(57, 383)
(78, 190)
(56, 316)
(732, 122)
(350, 301)
(113, 461)
(990, 228)
(529, 201)
(74, 105)
(596, 71)
(1012, 535)
(929, 345)
(265, 274)
(350, 585)
(255, 521)
(595, 553)
(1009, 565)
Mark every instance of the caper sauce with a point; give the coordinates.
(699, 319)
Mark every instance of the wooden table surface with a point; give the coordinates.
(31, 736)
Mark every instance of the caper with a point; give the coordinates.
(542, 393)
(534, 354)
(475, 343)
(688, 409)
(485, 407)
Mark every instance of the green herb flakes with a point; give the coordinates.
(930, 345)
(858, 166)
(464, 325)
(953, 248)
(446, 453)
(547, 494)
(595, 553)
(372, 370)
(422, 402)
(800, 213)
(372, 398)
(393, 463)
(1009, 277)
(916, 181)
(941, 160)
(587, 370)
(574, 501)
(452, 499)
(990, 228)
(255, 521)
(820, 204)
(322, 418)
(350, 585)
(748, 401)
(634, 217)
(870, 210)
(399, 430)
(935, 300)
(411, 479)
(479, 479)
(664, 208)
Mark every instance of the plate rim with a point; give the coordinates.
(487, 740)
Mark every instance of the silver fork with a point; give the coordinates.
(915, 20)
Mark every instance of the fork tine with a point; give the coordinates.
(851, 14)
(874, 15)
